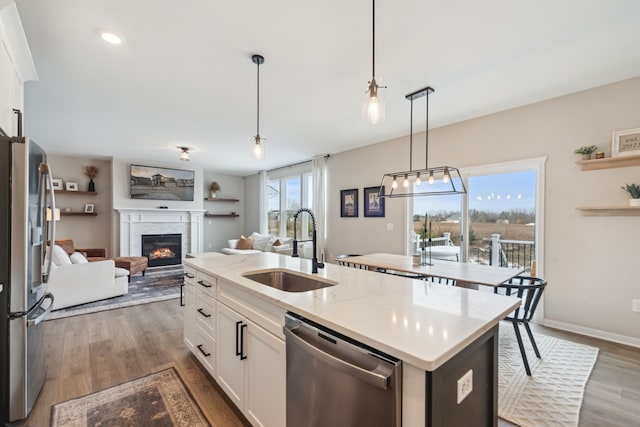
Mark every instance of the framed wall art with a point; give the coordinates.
(349, 203)
(373, 203)
(71, 186)
(626, 143)
(89, 208)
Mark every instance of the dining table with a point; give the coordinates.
(464, 273)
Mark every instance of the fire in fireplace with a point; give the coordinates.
(162, 249)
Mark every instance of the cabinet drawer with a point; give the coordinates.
(205, 350)
(206, 283)
(189, 276)
(205, 313)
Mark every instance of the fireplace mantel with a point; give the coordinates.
(136, 222)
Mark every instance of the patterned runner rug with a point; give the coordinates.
(552, 396)
(159, 399)
(155, 285)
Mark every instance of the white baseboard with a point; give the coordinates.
(595, 333)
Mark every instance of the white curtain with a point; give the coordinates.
(319, 202)
(263, 203)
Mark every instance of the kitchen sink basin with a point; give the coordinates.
(288, 281)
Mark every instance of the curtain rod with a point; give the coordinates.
(326, 156)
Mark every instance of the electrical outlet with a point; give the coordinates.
(389, 226)
(635, 305)
(465, 385)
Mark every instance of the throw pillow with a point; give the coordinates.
(78, 258)
(276, 243)
(60, 257)
(245, 243)
(260, 241)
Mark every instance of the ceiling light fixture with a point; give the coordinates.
(111, 38)
(373, 108)
(184, 156)
(451, 182)
(257, 149)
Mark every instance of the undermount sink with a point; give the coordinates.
(288, 281)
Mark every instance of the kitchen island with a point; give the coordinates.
(439, 332)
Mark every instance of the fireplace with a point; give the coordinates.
(162, 249)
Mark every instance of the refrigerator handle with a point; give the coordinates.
(37, 320)
(46, 173)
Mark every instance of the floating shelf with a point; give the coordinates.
(609, 210)
(609, 162)
(221, 215)
(79, 193)
(218, 199)
(77, 213)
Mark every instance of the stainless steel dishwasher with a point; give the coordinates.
(333, 380)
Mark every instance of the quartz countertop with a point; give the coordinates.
(424, 324)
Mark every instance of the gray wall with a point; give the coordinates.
(252, 204)
(218, 230)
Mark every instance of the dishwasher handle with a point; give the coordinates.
(373, 378)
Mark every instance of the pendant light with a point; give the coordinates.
(373, 108)
(258, 143)
(441, 179)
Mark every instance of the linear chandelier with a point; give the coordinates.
(440, 180)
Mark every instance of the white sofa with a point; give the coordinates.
(74, 281)
(264, 243)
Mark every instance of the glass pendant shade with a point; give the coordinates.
(257, 150)
(373, 107)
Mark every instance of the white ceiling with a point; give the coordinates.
(184, 76)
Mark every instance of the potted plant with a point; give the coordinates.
(634, 192)
(213, 189)
(91, 172)
(586, 151)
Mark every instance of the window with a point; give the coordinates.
(288, 190)
(498, 221)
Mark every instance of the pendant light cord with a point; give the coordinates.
(411, 138)
(258, 104)
(373, 53)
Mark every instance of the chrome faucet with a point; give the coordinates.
(314, 261)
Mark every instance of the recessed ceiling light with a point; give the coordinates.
(111, 38)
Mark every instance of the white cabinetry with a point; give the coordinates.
(200, 317)
(243, 333)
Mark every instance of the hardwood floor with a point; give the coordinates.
(95, 351)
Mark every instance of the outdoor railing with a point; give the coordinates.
(511, 253)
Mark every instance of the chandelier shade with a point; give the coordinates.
(440, 180)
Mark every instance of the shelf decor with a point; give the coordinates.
(92, 173)
(634, 192)
(214, 188)
(89, 208)
(625, 143)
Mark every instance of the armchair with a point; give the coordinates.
(82, 282)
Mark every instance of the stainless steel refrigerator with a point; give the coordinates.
(24, 300)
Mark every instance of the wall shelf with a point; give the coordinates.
(609, 210)
(218, 199)
(609, 162)
(208, 215)
(77, 193)
(77, 213)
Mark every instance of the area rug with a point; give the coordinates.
(159, 399)
(552, 395)
(155, 285)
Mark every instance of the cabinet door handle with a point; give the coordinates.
(203, 313)
(203, 351)
(202, 283)
(238, 351)
(189, 275)
(242, 328)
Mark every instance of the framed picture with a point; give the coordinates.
(57, 184)
(349, 203)
(89, 208)
(626, 143)
(71, 186)
(373, 203)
